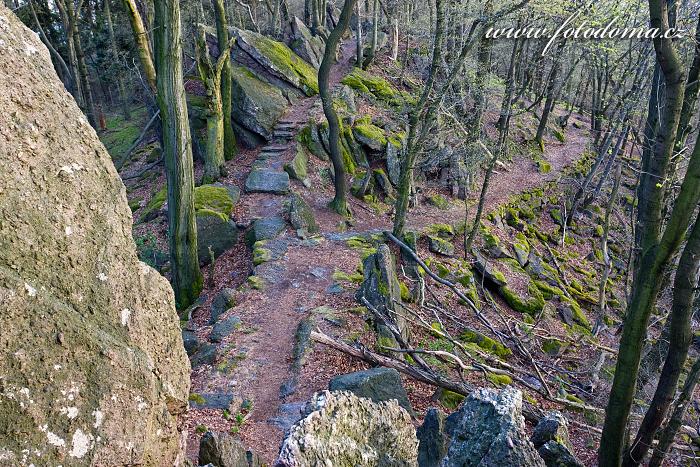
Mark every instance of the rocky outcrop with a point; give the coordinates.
(343, 429)
(305, 44)
(488, 430)
(216, 231)
(551, 438)
(93, 370)
(257, 105)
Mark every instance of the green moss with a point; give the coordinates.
(441, 230)
(599, 231)
(121, 133)
(384, 342)
(156, 202)
(283, 58)
(355, 278)
(499, 380)
(552, 346)
(556, 216)
(485, 343)
(213, 201)
(559, 135)
(543, 166)
(531, 305)
(439, 201)
(364, 82)
(365, 247)
(450, 400)
(196, 398)
(256, 282)
(261, 254)
(572, 398)
(371, 132)
(405, 293)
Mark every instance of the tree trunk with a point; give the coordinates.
(680, 332)
(123, 100)
(375, 33)
(177, 150)
(654, 254)
(551, 96)
(339, 203)
(222, 37)
(394, 36)
(358, 32)
(142, 45)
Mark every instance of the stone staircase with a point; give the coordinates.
(267, 174)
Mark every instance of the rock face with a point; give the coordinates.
(343, 429)
(488, 430)
(257, 105)
(93, 367)
(305, 44)
(431, 439)
(378, 384)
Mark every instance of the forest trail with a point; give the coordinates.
(257, 362)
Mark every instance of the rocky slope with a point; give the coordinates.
(93, 370)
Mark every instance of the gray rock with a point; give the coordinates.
(267, 228)
(215, 400)
(432, 442)
(343, 429)
(224, 328)
(378, 384)
(486, 268)
(553, 426)
(206, 355)
(380, 287)
(557, 455)
(288, 415)
(489, 430)
(305, 44)
(383, 183)
(362, 184)
(296, 168)
(551, 438)
(301, 216)
(222, 450)
(215, 233)
(191, 341)
(93, 367)
(440, 246)
(536, 268)
(393, 163)
(256, 105)
(267, 181)
(223, 301)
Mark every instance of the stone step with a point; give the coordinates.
(266, 180)
(282, 134)
(274, 148)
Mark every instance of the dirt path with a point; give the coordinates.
(256, 362)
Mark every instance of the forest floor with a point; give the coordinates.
(256, 361)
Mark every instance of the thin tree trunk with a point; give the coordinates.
(358, 32)
(177, 150)
(143, 47)
(551, 96)
(115, 56)
(375, 33)
(222, 36)
(339, 203)
(669, 432)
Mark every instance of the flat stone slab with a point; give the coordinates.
(224, 328)
(212, 401)
(267, 181)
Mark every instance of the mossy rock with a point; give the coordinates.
(297, 167)
(450, 400)
(441, 230)
(310, 139)
(150, 212)
(439, 201)
(485, 343)
(552, 347)
(440, 246)
(213, 200)
(499, 380)
(370, 136)
(257, 106)
(301, 216)
(366, 83)
(531, 302)
(279, 59)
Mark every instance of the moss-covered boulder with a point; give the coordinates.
(305, 44)
(383, 183)
(213, 207)
(296, 168)
(310, 138)
(92, 362)
(362, 184)
(301, 216)
(487, 268)
(470, 336)
(277, 59)
(370, 135)
(256, 104)
(367, 83)
(520, 291)
(521, 247)
(440, 246)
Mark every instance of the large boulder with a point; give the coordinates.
(275, 61)
(305, 44)
(488, 430)
(378, 384)
(256, 104)
(381, 289)
(343, 429)
(92, 364)
(432, 442)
